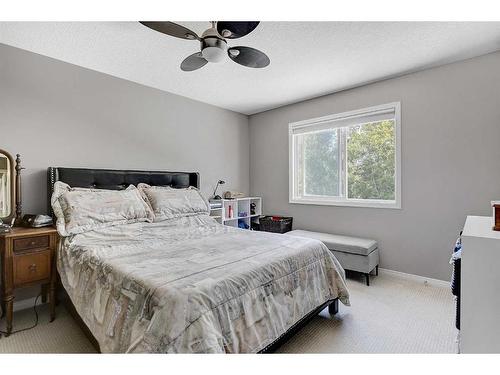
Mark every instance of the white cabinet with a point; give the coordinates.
(238, 212)
(480, 287)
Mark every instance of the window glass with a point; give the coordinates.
(370, 161)
(320, 166)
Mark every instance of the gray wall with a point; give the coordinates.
(58, 114)
(450, 162)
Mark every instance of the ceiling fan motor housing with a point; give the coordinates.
(213, 47)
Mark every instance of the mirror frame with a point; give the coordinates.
(12, 167)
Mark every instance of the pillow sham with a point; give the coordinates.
(80, 210)
(168, 203)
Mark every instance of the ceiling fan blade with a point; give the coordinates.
(247, 56)
(193, 62)
(235, 29)
(171, 29)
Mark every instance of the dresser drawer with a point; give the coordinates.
(29, 243)
(31, 267)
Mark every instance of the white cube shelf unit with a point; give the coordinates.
(236, 211)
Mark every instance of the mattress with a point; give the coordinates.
(192, 285)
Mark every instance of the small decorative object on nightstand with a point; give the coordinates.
(28, 258)
(496, 215)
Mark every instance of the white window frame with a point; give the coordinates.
(341, 119)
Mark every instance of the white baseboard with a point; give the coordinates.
(422, 279)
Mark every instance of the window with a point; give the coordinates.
(347, 159)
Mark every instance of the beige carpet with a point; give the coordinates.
(392, 315)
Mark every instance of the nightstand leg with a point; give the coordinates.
(52, 289)
(52, 301)
(2, 305)
(44, 293)
(9, 306)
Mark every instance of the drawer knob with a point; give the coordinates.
(33, 243)
(32, 268)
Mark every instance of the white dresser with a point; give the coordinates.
(480, 287)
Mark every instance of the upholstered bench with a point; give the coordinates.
(355, 254)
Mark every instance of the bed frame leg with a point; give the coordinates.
(333, 307)
(367, 275)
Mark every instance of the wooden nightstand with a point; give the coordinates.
(27, 259)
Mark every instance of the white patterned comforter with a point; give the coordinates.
(191, 285)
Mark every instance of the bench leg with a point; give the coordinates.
(333, 307)
(367, 275)
(376, 270)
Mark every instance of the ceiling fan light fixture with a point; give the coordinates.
(213, 54)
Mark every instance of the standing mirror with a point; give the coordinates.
(7, 187)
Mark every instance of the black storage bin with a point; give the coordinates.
(276, 224)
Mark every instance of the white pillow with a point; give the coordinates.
(168, 203)
(80, 210)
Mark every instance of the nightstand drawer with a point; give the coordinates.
(31, 267)
(28, 243)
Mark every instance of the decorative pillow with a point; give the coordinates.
(80, 210)
(168, 203)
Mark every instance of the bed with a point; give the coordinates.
(190, 284)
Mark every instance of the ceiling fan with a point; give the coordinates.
(214, 44)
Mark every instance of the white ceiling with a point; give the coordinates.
(307, 59)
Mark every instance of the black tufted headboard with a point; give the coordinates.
(116, 179)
